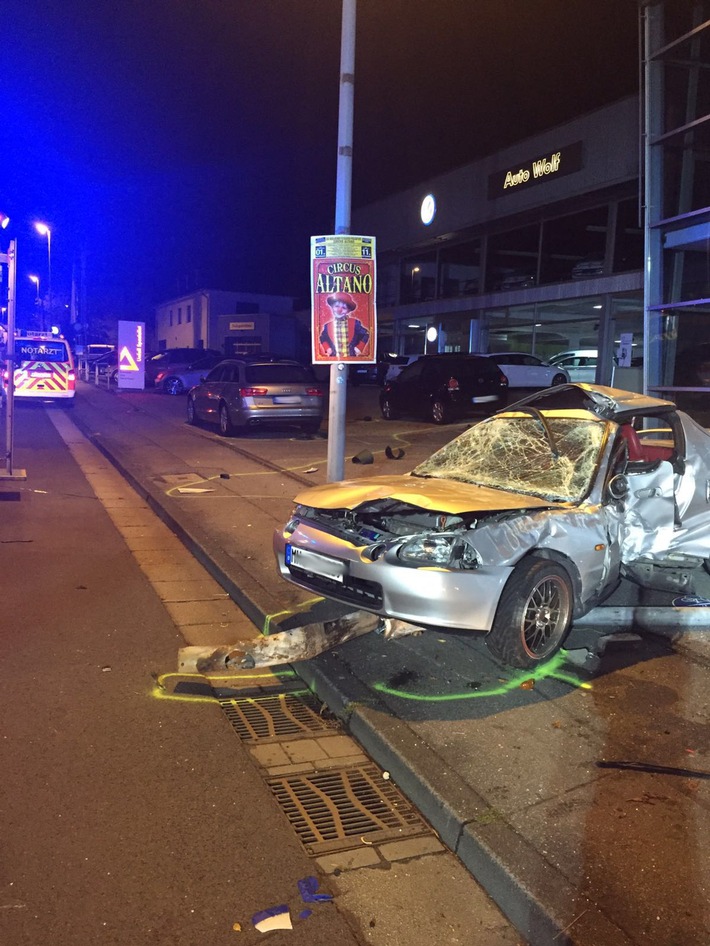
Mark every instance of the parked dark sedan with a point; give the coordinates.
(170, 360)
(445, 387)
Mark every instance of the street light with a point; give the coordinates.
(44, 230)
(4, 221)
(35, 280)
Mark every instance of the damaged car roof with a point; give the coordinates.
(606, 402)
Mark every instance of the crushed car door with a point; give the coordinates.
(647, 519)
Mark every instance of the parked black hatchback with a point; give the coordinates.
(445, 387)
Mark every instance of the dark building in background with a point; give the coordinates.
(541, 247)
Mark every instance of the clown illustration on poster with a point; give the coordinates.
(343, 318)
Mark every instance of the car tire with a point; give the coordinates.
(173, 386)
(226, 427)
(439, 412)
(191, 413)
(388, 412)
(534, 614)
(558, 379)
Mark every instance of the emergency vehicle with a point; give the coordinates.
(44, 368)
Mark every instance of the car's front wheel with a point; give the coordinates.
(191, 413)
(558, 379)
(173, 386)
(534, 614)
(226, 427)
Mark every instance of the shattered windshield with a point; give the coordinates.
(554, 460)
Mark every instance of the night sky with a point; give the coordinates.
(185, 143)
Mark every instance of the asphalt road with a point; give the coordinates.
(578, 799)
(132, 815)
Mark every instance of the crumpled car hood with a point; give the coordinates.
(440, 495)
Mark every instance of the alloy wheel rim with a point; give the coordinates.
(545, 616)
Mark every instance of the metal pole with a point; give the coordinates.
(343, 187)
(49, 279)
(11, 474)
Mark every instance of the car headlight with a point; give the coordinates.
(446, 551)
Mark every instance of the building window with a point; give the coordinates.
(418, 278)
(179, 315)
(574, 246)
(189, 314)
(512, 259)
(460, 270)
(171, 318)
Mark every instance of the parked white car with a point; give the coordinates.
(397, 363)
(580, 364)
(524, 370)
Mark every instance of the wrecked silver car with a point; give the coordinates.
(524, 522)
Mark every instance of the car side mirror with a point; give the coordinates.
(618, 486)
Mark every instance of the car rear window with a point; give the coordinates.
(277, 374)
(31, 349)
(466, 366)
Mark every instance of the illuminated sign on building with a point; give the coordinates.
(131, 355)
(535, 171)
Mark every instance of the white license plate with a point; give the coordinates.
(484, 399)
(287, 399)
(316, 563)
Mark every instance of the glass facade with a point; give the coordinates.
(542, 254)
(621, 273)
(677, 193)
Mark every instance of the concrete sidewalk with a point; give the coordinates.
(579, 802)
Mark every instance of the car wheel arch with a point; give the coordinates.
(559, 558)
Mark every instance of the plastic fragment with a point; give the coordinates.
(386, 776)
(308, 888)
(312, 469)
(237, 927)
(275, 918)
(527, 684)
(365, 456)
(395, 454)
(304, 914)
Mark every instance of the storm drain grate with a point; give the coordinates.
(284, 714)
(337, 809)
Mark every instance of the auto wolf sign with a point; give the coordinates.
(343, 318)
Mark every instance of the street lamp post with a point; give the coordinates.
(44, 230)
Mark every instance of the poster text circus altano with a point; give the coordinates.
(345, 277)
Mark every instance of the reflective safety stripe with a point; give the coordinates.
(41, 378)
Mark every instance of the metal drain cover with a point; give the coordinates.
(284, 714)
(334, 810)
